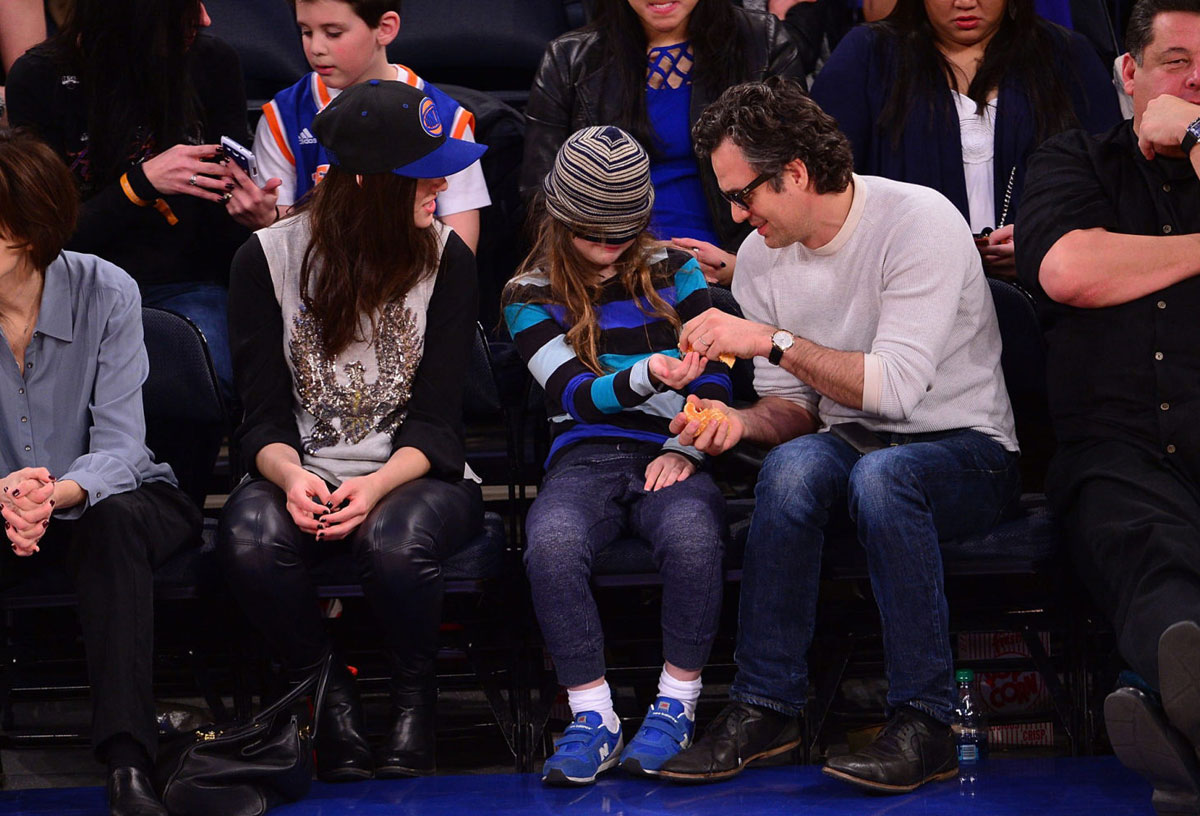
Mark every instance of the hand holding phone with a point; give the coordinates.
(242, 156)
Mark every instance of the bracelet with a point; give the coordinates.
(159, 204)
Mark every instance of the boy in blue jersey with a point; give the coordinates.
(346, 42)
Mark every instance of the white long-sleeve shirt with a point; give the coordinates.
(903, 283)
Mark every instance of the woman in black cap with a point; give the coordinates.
(351, 324)
(595, 312)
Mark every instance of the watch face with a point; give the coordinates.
(782, 339)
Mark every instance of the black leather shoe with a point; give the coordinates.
(912, 749)
(740, 734)
(342, 751)
(130, 793)
(1179, 678)
(409, 750)
(1145, 743)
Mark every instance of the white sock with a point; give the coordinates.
(598, 699)
(685, 691)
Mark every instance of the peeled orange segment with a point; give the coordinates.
(703, 415)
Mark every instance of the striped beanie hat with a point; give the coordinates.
(600, 184)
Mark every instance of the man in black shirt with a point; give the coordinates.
(1109, 237)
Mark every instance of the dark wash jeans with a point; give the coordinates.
(902, 500)
(594, 495)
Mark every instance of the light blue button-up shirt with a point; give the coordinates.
(76, 409)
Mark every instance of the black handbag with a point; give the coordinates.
(245, 769)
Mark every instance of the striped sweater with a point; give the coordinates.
(624, 403)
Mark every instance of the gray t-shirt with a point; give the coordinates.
(903, 283)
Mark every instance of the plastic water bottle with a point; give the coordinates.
(970, 724)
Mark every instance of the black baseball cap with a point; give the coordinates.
(383, 126)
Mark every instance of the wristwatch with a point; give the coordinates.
(1190, 137)
(781, 341)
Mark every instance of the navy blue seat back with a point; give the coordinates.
(185, 413)
(264, 34)
(490, 45)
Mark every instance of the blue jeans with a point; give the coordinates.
(594, 495)
(206, 305)
(902, 500)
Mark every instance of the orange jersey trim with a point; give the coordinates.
(464, 120)
(277, 132)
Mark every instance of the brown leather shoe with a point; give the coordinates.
(740, 734)
(912, 749)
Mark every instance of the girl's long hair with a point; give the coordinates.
(365, 251)
(1021, 50)
(574, 284)
(133, 60)
(716, 47)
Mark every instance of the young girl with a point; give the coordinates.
(595, 312)
(351, 325)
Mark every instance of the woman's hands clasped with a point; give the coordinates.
(26, 502)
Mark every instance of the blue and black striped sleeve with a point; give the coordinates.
(542, 343)
(692, 300)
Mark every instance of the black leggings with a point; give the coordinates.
(398, 551)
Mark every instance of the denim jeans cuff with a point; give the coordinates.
(766, 702)
(937, 712)
(579, 669)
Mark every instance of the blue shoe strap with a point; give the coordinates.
(664, 723)
(575, 735)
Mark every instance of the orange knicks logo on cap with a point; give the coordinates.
(429, 118)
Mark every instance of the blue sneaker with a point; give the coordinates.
(585, 749)
(665, 732)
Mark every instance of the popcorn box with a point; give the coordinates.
(1022, 735)
(996, 645)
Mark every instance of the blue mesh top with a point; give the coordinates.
(680, 209)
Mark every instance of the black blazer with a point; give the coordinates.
(574, 89)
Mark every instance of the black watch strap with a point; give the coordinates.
(775, 355)
(1190, 137)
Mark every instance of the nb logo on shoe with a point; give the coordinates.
(604, 751)
(664, 706)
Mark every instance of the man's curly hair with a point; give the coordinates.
(772, 123)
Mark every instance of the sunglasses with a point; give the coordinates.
(742, 197)
(602, 239)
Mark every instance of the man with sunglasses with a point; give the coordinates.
(877, 363)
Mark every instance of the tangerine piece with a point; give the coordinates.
(703, 415)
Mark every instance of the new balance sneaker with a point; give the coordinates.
(665, 732)
(584, 750)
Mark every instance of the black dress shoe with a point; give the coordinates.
(130, 793)
(912, 749)
(342, 751)
(409, 750)
(1146, 744)
(740, 734)
(1179, 678)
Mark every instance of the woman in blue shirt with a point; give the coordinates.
(956, 95)
(77, 483)
(650, 68)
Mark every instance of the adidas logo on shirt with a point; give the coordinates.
(307, 138)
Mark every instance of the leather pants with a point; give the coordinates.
(398, 552)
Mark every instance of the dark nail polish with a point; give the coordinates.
(329, 505)
(320, 536)
(52, 502)
(229, 187)
(46, 523)
(17, 492)
(723, 264)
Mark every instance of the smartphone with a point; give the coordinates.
(241, 155)
(858, 436)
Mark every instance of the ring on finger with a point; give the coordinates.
(192, 180)
(225, 198)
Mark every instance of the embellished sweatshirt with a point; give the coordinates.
(623, 403)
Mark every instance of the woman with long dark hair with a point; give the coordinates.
(351, 324)
(956, 94)
(135, 96)
(650, 68)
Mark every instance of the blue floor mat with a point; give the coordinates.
(1001, 787)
